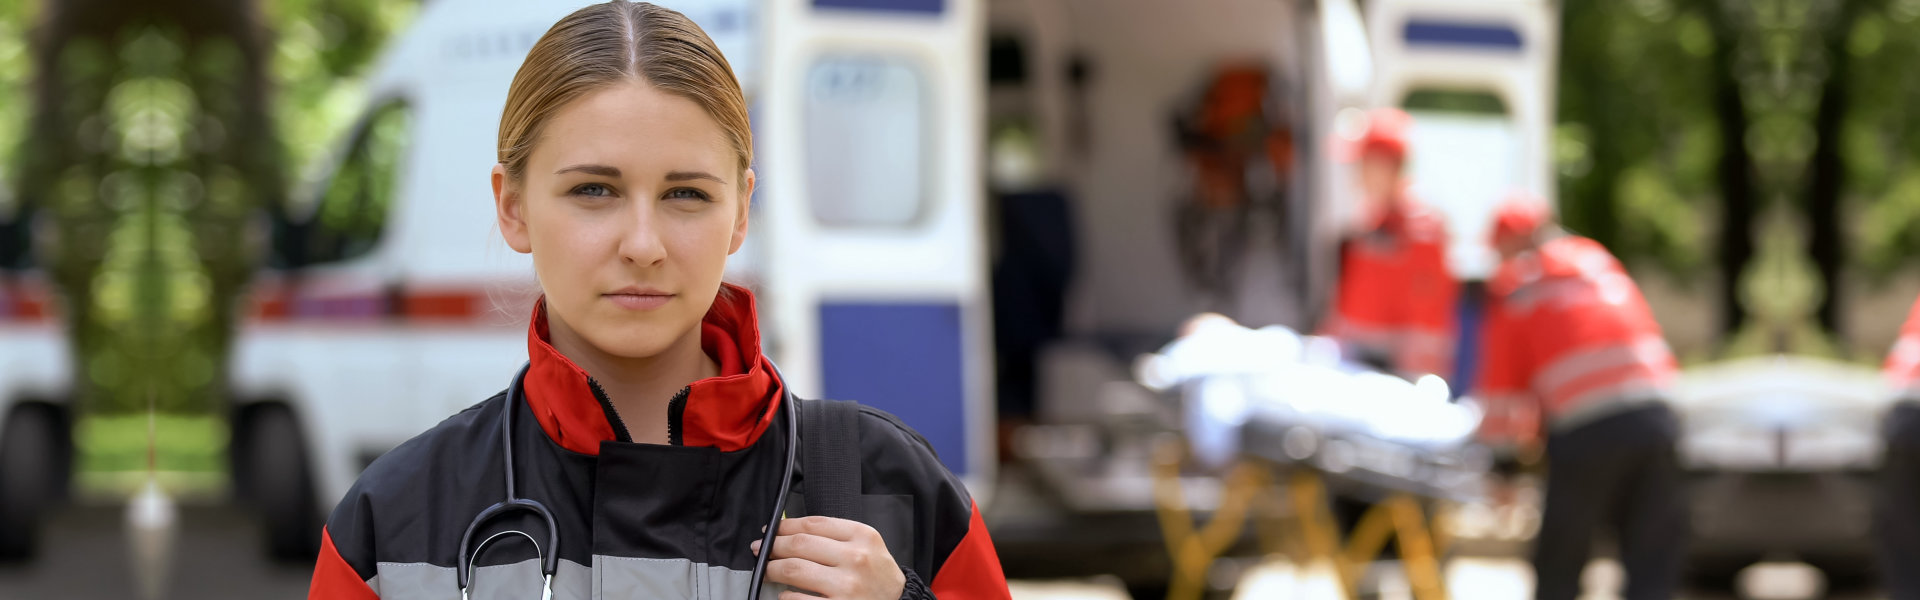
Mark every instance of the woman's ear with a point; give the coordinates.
(510, 212)
(740, 220)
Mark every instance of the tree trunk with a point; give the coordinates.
(1827, 173)
(1737, 195)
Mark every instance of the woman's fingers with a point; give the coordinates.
(828, 527)
(832, 558)
(811, 576)
(829, 552)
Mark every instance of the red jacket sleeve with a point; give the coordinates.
(972, 570)
(1504, 382)
(333, 578)
(1903, 362)
(1358, 311)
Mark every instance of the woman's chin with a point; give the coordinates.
(634, 342)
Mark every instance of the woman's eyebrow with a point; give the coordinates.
(600, 170)
(692, 175)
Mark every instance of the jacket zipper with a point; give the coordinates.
(676, 410)
(613, 416)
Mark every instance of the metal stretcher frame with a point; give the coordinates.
(1252, 494)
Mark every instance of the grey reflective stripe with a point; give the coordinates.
(612, 577)
(1649, 349)
(622, 577)
(517, 581)
(1607, 402)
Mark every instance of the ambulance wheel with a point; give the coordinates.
(1847, 576)
(30, 478)
(280, 482)
(1722, 577)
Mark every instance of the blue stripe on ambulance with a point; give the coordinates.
(1483, 36)
(904, 358)
(931, 7)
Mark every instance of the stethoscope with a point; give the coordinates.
(550, 559)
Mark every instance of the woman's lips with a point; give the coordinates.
(645, 301)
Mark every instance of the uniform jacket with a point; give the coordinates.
(637, 520)
(1396, 296)
(1568, 339)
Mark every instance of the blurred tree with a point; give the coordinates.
(1826, 177)
(156, 149)
(1732, 107)
(134, 162)
(1637, 141)
(15, 18)
(1878, 138)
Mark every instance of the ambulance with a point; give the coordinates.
(36, 386)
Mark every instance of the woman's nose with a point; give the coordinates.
(640, 242)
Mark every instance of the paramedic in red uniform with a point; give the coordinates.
(1896, 510)
(1573, 358)
(648, 423)
(1395, 303)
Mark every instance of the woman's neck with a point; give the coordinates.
(640, 388)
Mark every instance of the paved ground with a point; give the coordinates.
(85, 555)
(217, 555)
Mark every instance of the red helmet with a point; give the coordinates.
(1520, 215)
(1385, 133)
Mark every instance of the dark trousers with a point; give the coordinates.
(1896, 504)
(1620, 472)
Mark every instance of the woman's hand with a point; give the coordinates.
(837, 559)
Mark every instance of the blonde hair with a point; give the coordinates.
(605, 44)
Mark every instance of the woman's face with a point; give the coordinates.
(630, 203)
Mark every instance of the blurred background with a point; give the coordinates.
(246, 247)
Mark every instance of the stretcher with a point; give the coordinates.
(1285, 422)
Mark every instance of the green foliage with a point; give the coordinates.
(15, 67)
(1636, 142)
(322, 51)
(173, 155)
(1881, 139)
(189, 442)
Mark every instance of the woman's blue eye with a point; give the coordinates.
(592, 189)
(687, 194)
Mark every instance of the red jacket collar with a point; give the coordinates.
(728, 411)
(1406, 218)
(1562, 257)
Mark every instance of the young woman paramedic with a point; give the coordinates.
(647, 444)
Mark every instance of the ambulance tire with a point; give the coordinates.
(1147, 591)
(1715, 577)
(31, 458)
(1844, 577)
(281, 481)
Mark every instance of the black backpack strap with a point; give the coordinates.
(830, 455)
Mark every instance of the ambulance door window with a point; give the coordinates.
(353, 209)
(1466, 157)
(867, 139)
